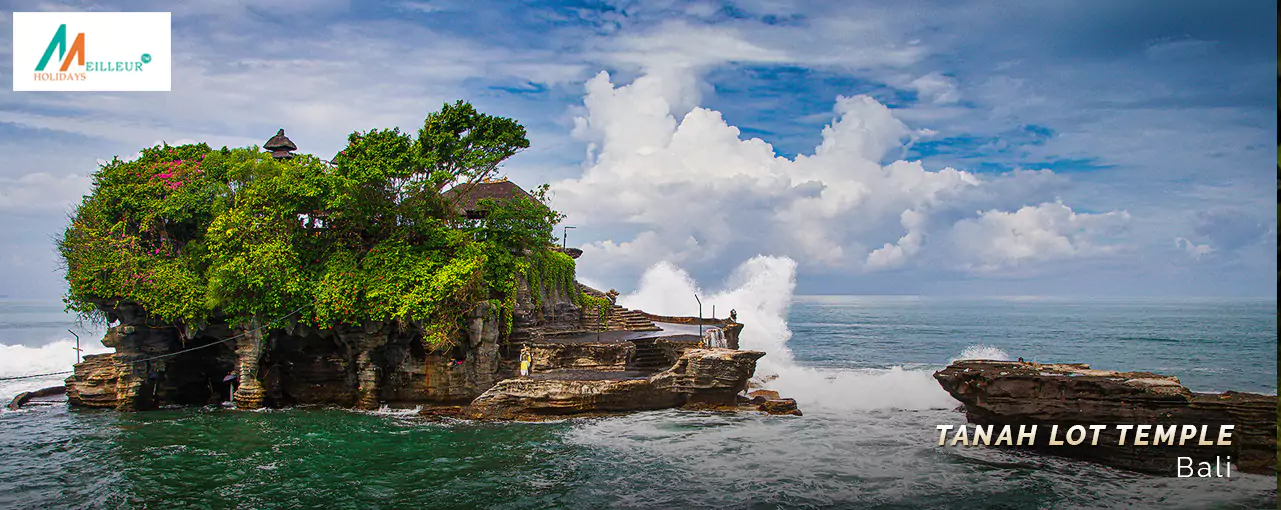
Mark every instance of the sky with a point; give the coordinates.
(1050, 148)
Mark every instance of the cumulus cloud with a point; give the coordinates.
(1049, 231)
(936, 88)
(693, 191)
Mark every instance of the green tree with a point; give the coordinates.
(462, 146)
(193, 235)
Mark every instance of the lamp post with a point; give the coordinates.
(564, 237)
(700, 317)
(78, 349)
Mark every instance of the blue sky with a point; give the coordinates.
(1048, 148)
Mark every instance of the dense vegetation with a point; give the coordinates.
(194, 234)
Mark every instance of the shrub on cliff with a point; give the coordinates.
(193, 234)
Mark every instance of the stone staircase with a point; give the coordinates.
(622, 319)
(648, 357)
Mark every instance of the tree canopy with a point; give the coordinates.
(193, 234)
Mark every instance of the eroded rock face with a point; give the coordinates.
(701, 376)
(377, 364)
(93, 384)
(603, 356)
(1017, 393)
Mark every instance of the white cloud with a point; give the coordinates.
(696, 193)
(852, 40)
(1194, 250)
(936, 88)
(679, 44)
(1050, 231)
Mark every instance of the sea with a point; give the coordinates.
(859, 366)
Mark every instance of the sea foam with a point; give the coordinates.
(56, 356)
(760, 291)
(981, 351)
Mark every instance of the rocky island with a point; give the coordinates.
(1022, 393)
(400, 272)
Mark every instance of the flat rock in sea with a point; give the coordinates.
(783, 406)
(1021, 393)
(700, 377)
(22, 398)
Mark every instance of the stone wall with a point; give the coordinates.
(604, 356)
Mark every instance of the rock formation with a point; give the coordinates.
(1018, 393)
(783, 406)
(633, 365)
(93, 383)
(700, 376)
(23, 398)
(597, 356)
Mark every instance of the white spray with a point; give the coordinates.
(760, 290)
(56, 356)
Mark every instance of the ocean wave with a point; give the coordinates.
(981, 351)
(21, 360)
(761, 291)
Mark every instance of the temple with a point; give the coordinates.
(582, 353)
(280, 146)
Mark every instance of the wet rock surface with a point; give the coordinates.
(780, 406)
(762, 395)
(1017, 393)
(26, 397)
(701, 376)
(93, 383)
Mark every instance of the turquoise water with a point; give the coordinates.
(866, 441)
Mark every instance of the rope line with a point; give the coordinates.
(34, 376)
(172, 354)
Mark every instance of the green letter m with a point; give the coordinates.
(59, 43)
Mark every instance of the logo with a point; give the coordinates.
(98, 51)
(59, 43)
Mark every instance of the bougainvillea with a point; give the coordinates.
(191, 234)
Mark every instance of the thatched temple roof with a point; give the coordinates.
(280, 145)
(467, 198)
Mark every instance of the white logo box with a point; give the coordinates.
(123, 51)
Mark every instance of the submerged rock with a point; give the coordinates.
(1020, 393)
(700, 376)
